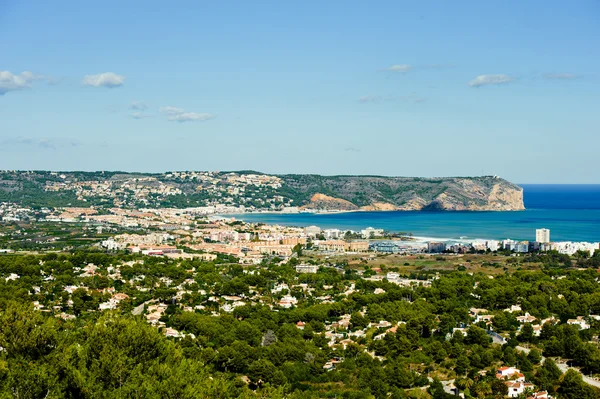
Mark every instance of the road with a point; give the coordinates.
(564, 367)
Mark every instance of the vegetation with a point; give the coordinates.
(134, 190)
(255, 351)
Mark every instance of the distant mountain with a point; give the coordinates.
(254, 190)
(406, 193)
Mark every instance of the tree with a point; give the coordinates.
(482, 389)
(534, 356)
(527, 333)
(358, 321)
(573, 387)
(552, 369)
(263, 371)
(297, 249)
(269, 338)
(499, 388)
(26, 333)
(476, 335)
(464, 383)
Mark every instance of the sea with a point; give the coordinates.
(571, 212)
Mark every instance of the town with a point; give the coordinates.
(339, 295)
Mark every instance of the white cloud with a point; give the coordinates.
(560, 76)
(352, 149)
(483, 80)
(175, 114)
(106, 79)
(138, 106)
(139, 115)
(12, 82)
(403, 68)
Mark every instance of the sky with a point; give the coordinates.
(399, 88)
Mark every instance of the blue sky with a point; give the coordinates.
(410, 88)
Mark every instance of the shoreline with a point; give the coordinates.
(440, 228)
(331, 212)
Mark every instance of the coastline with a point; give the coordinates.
(567, 225)
(341, 211)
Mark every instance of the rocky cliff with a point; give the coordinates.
(378, 193)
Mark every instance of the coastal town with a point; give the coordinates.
(169, 265)
(212, 230)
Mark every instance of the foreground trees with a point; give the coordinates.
(112, 357)
(358, 345)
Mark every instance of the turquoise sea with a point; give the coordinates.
(571, 212)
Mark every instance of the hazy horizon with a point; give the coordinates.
(292, 173)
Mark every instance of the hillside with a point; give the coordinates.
(407, 193)
(257, 191)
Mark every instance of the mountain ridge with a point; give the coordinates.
(259, 191)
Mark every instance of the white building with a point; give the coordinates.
(312, 231)
(510, 373)
(492, 245)
(516, 388)
(307, 269)
(436, 247)
(579, 321)
(333, 233)
(542, 236)
(371, 232)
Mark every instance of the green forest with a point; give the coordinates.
(257, 350)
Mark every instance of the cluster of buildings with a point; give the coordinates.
(203, 230)
(220, 189)
(515, 381)
(10, 212)
(542, 243)
(125, 191)
(328, 234)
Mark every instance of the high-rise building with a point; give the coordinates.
(542, 236)
(436, 247)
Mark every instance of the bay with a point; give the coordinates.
(571, 212)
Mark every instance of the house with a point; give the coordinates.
(381, 324)
(579, 321)
(171, 332)
(516, 388)
(300, 325)
(513, 308)
(475, 311)
(120, 297)
(287, 301)
(526, 319)
(307, 269)
(484, 317)
(510, 373)
(346, 342)
(540, 395)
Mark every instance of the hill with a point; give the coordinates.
(257, 191)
